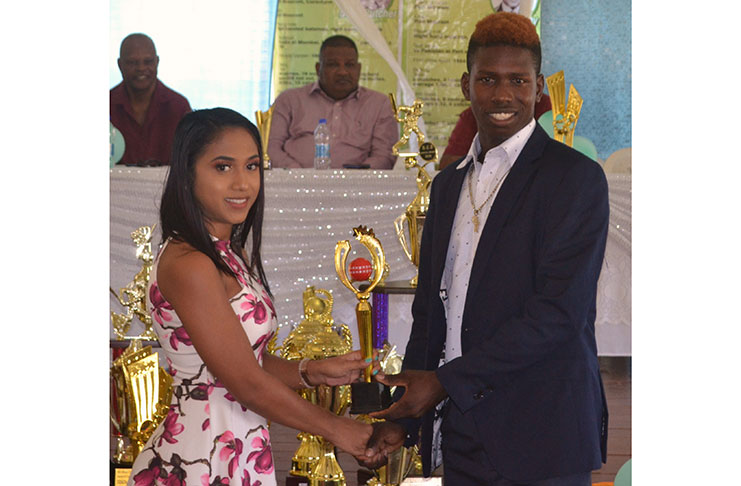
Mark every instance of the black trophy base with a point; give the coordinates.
(119, 473)
(296, 481)
(365, 475)
(369, 397)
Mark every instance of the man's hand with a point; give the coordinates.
(386, 438)
(422, 392)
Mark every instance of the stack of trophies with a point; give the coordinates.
(140, 388)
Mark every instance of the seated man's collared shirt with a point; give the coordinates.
(153, 140)
(362, 126)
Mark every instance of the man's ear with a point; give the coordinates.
(465, 77)
(539, 86)
(317, 68)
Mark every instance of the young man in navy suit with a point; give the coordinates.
(501, 361)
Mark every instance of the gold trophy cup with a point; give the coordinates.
(400, 464)
(565, 115)
(412, 221)
(367, 396)
(316, 338)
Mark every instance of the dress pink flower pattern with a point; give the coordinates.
(208, 438)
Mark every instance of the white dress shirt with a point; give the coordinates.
(484, 179)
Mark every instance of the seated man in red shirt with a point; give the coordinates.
(142, 108)
(464, 131)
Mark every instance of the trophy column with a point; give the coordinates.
(367, 396)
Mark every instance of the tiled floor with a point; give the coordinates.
(616, 374)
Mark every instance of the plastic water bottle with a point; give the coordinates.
(321, 145)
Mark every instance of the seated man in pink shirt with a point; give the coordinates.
(361, 121)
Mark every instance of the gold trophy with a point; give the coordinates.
(264, 119)
(415, 214)
(405, 460)
(400, 464)
(316, 338)
(565, 115)
(143, 394)
(140, 389)
(367, 396)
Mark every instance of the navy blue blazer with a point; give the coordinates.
(528, 374)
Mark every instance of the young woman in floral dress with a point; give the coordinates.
(213, 314)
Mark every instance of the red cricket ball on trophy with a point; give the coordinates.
(360, 270)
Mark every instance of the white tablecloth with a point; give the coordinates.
(308, 211)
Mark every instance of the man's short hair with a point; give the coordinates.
(504, 29)
(337, 41)
(136, 36)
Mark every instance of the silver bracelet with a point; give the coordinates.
(302, 365)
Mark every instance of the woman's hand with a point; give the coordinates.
(340, 370)
(351, 436)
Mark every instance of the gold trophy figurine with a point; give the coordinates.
(317, 337)
(133, 297)
(415, 214)
(367, 396)
(565, 115)
(409, 117)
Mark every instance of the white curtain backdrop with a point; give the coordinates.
(357, 14)
(308, 211)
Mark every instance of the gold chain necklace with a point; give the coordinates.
(475, 218)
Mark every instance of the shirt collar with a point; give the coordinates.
(120, 96)
(315, 88)
(512, 146)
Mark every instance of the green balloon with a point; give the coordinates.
(582, 144)
(585, 146)
(546, 121)
(117, 145)
(623, 477)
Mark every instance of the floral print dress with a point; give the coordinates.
(208, 438)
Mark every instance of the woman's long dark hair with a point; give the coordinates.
(181, 217)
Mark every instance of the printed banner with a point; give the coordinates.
(430, 38)
(301, 27)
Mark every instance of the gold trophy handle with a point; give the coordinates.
(393, 103)
(341, 251)
(401, 234)
(340, 263)
(120, 427)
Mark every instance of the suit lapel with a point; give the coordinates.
(449, 204)
(508, 194)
